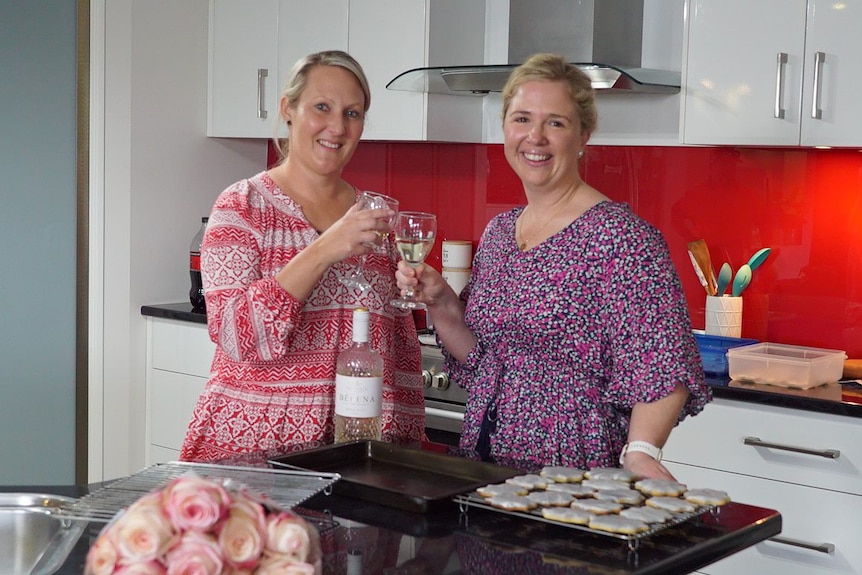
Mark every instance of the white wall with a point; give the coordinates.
(154, 174)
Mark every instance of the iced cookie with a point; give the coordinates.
(624, 496)
(574, 489)
(495, 489)
(707, 496)
(646, 514)
(596, 506)
(604, 484)
(562, 474)
(613, 473)
(672, 504)
(511, 502)
(530, 481)
(551, 498)
(660, 487)
(566, 515)
(617, 524)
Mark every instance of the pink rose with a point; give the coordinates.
(194, 502)
(143, 532)
(195, 554)
(280, 565)
(243, 533)
(288, 535)
(148, 568)
(102, 557)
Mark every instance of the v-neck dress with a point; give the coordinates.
(571, 334)
(272, 380)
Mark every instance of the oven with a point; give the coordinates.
(444, 400)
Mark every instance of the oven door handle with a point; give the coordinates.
(445, 413)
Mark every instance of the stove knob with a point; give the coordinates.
(426, 378)
(440, 381)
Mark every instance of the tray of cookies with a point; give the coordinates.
(605, 501)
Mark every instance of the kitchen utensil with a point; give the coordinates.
(741, 280)
(699, 272)
(699, 252)
(725, 274)
(758, 258)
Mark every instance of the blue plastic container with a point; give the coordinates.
(713, 351)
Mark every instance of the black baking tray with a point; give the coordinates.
(408, 478)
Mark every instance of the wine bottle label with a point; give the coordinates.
(358, 396)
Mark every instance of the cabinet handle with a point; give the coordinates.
(827, 548)
(816, 112)
(779, 85)
(827, 453)
(262, 73)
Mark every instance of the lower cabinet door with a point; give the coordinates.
(824, 525)
(173, 397)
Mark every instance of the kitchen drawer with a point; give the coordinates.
(814, 516)
(172, 399)
(183, 347)
(715, 439)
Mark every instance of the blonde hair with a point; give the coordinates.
(555, 68)
(298, 79)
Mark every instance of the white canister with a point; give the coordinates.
(457, 254)
(456, 278)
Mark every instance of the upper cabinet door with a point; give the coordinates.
(742, 76)
(253, 47)
(387, 37)
(243, 68)
(831, 114)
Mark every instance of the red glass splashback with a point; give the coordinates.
(804, 204)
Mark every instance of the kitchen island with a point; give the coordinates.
(388, 540)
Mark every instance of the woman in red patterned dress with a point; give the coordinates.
(275, 249)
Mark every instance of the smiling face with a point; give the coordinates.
(543, 135)
(326, 121)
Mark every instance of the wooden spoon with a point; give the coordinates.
(700, 253)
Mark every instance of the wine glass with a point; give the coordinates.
(371, 201)
(414, 237)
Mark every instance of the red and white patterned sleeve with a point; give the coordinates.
(250, 316)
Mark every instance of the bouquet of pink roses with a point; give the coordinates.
(196, 526)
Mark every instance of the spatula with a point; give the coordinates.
(725, 274)
(699, 253)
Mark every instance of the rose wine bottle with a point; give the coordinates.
(358, 386)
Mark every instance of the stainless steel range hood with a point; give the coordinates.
(604, 38)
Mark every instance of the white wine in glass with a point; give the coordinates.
(414, 233)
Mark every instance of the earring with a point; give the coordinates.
(580, 153)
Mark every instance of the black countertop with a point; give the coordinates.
(843, 399)
(480, 541)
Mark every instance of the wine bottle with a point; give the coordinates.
(358, 386)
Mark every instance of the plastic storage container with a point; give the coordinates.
(713, 351)
(786, 365)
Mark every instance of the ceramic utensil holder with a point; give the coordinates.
(724, 315)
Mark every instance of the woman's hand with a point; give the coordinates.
(645, 467)
(353, 233)
(428, 284)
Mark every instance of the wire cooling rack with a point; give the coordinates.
(284, 488)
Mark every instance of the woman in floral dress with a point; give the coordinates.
(276, 246)
(572, 337)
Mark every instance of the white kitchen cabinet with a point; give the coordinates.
(179, 355)
(253, 46)
(389, 37)
(796, 56)
(816, 485)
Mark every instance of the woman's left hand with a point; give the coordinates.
(645, 467)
